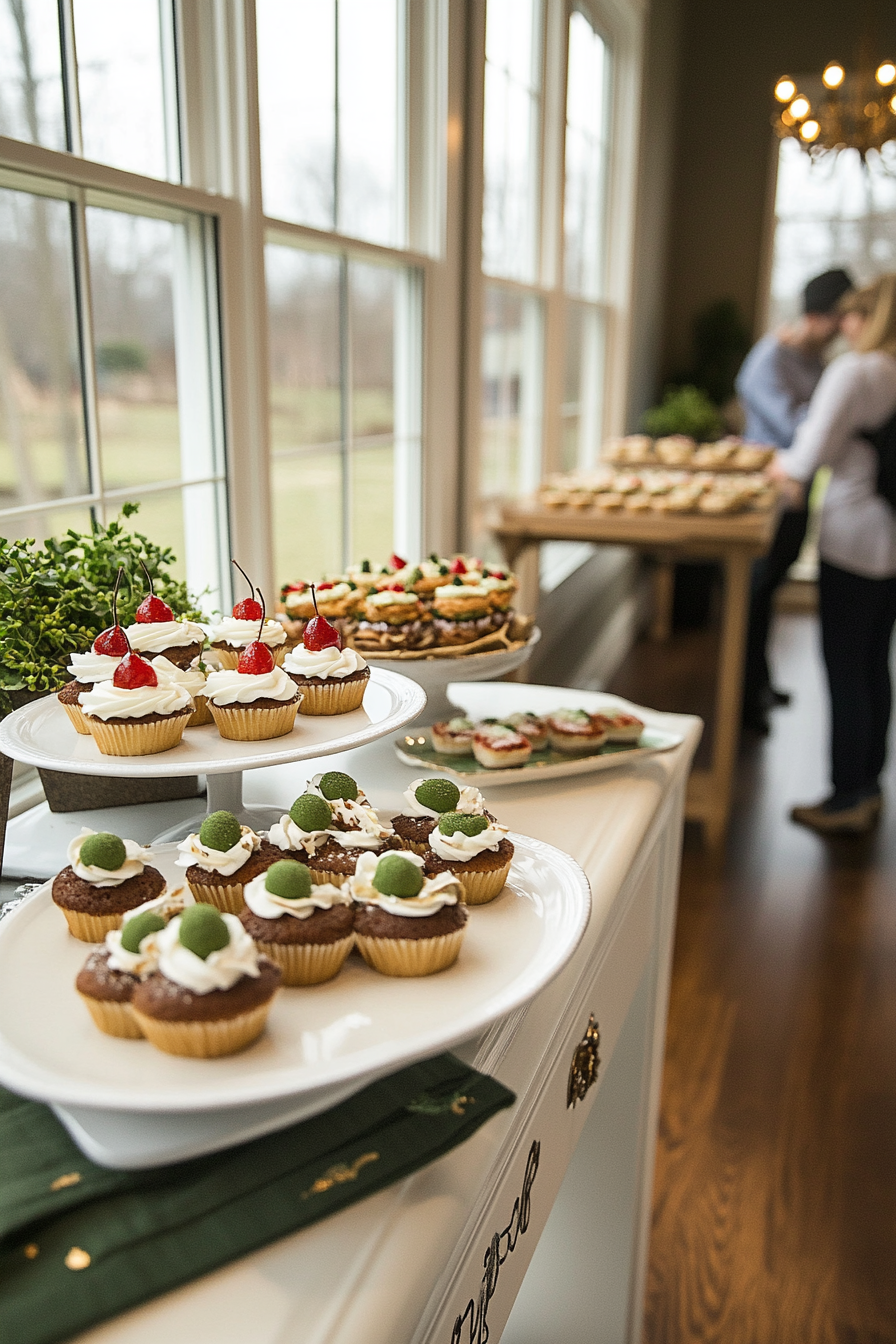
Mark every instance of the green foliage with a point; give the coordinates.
(56, 598)
(121, 357)
(721, 342)
(684, 410)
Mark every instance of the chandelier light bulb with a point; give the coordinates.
(787, 119)
(785, 89)
(871, 110)
(809, 131)
(885, 73)
(833, 75)
(800, 107)
(893, 104)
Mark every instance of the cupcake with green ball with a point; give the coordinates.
(304, 829)
(306, 930)
(108, 978)
(105, 878)
(221, 858)
(211, 992)
(355, 829)
(475, 850)
(406, 924)
(425, 800)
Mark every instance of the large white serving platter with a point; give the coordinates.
(318, 1040)
(41, 734)
(435, 674)
(486, 700)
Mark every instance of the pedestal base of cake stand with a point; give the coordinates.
(224, 793)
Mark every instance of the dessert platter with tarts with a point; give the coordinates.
(477, 702)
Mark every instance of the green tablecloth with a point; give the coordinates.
(80, 1243)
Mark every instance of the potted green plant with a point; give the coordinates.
(55, 598)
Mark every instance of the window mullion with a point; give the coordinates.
(71, 98)
(345, 406)
(86, 338)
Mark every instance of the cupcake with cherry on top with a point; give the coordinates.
(211, 993)
(105, 878)
(222, 858)
(155, 632)
(304, 829)
(406, 923)
(86, 669)
(498, 747)
(354, 829)
(576, 732)
(192, 679)
(233, 634)
(332, 679)
(254, 701)
(475, 850)
(306, 930)
(137, 713)
(426, 800)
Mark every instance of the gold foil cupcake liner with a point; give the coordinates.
(319, 698)
(204, 1040)
(308, 963)
(90, 928)
(115, 1019)
(410, 956)
(76, 714)
(229, 659)
(227, 897)
(480, 888)
(413, 845)
(320, 877)
(201, 712)
(135, 738)
(245, 724)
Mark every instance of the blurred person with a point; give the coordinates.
(857, 549)
(775, 383)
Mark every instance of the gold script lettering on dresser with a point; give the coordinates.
(585, 1064)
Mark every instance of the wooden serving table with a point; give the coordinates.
(735, 540)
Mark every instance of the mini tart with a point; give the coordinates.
(92, 911)
(624, 727)
(454, 737)
(204, 1026)
(336, 863)
(107, 994)
(483, 877)
(308, 951)
(401, 946)
(577, 737)
(226, 891)
(500, 748)
(68, 699)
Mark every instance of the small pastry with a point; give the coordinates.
(193, 680)
(531, 727)
(308, 931)
(498, 747)
(335, 599)
(425, 801)
(454, 737)
(475, 849)
(461, 611)
(106, 652)
(405, 923)
(576, 732)
(105, 878)
(136, 713)
(222, 858)
(623, 727)
(332, 679)
(392, 606)
(500, 587)
(212, 993)
(355, 829)
(675, 449)
(304, 829)
(256, 700)
(155, 632)
(426, 577)
(233, 634)
(108, 978)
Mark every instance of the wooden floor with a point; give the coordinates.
(775, 1200)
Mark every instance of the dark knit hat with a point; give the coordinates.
(823, 292)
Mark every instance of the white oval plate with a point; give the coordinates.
(358, 1024)
(41, 734)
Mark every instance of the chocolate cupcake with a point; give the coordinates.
(475, 851)
(86, 669)
(106, 877)
(355, 829)
(308, 931)
(222, 858)
(405, 923)
(212, 992)
(304, 829)
(425, 801)
(110, 975)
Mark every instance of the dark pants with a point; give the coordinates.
(857, 618)
(768, 574)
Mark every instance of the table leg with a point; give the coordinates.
(663, 595)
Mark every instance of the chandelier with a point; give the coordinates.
(839, 111)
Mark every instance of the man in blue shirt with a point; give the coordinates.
(775, 384)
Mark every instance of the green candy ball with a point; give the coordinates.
(288, 879)
(134, 930)
(460, 821)
(311, 813)
(103, 850)
(202, 930)
(334, 784)
(440, 795)
(220, 831)
(397, 876)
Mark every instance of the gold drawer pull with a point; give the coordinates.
(585, 1064)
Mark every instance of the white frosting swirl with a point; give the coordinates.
(93, 666)
(471, 802)
(331, 662)
(154, 636)
(460, 590)
(361, 826)
(192, 678)
(230, 687)
(106, 701)
(436, 892)
(219, 970)
(388, 599)
(223, 861)
(458, 848)
(231, 630)
(285, 834)
(327, 596)
(136, 859)
(168, 904)
(268, 906)
(142, 962)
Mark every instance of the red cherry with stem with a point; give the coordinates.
(113, 641)
(256, 660)
(319, 633)
(458, 566)
(152, 608)
(322, 587)
(133, 672)
(248, 609)
(396, 588)
(396, 562)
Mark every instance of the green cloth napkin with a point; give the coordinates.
(80, 1243)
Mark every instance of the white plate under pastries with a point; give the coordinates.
(128, 1104)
